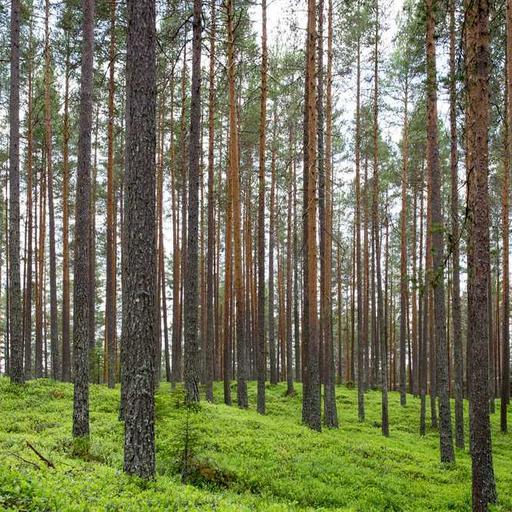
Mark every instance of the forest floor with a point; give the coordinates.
(239, 459)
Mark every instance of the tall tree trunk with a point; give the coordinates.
(437, 278)
(456, 307)
(191, 278)
(320, 124)
(27, 322)
(271, 243)
(361, 331)
(423, 316)
(260, 352)
(296, 291)
(330, 412)
(234, 172)
(40, 271)
(7, 273)
(66, 349)
(311, 402)
(92, 250)
(54, 335)
(15, 312)
(477, 73)
(289, 278)
(380, 343)
(403, 247)
(81, 285)
(110, 292)
(210, 291)
(140, 238)
(505, 335)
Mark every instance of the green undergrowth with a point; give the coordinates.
(236, 459)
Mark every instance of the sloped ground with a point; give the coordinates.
(240, 460)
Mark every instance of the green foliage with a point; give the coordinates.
(239, 459)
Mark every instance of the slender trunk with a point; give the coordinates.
(423, 316)
(505, 333)
(54, 336)
(289, 281)
(40, 270)
(234, 173)
(380, 342)
(361, 330)
(330, 411)
(191, 278)
(271, 243)
(403, 248)
(456, 306)
(110, 292)
(27, 323)
(81, 285)
(437, 278)
(210, 287)
(260, 352)
(66, 350)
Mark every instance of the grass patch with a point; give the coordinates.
(239, 460)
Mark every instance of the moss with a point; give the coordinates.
(242, 461)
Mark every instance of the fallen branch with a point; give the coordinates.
(48, 462)
(23, 460)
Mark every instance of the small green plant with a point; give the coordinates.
(189, 439)
(187, 434)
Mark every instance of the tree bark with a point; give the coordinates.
(311, 402)
(260, 352)
(81, 285)
(140, 238)
(455, 235)
(403, 248)
(437, 227)
(66, 349)
(210, 285)
(191, 278)
(15, 313)
(477, 75)
(361, 331)
(505, 334)
(330, 411)
(27, 323)
(110, 292)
